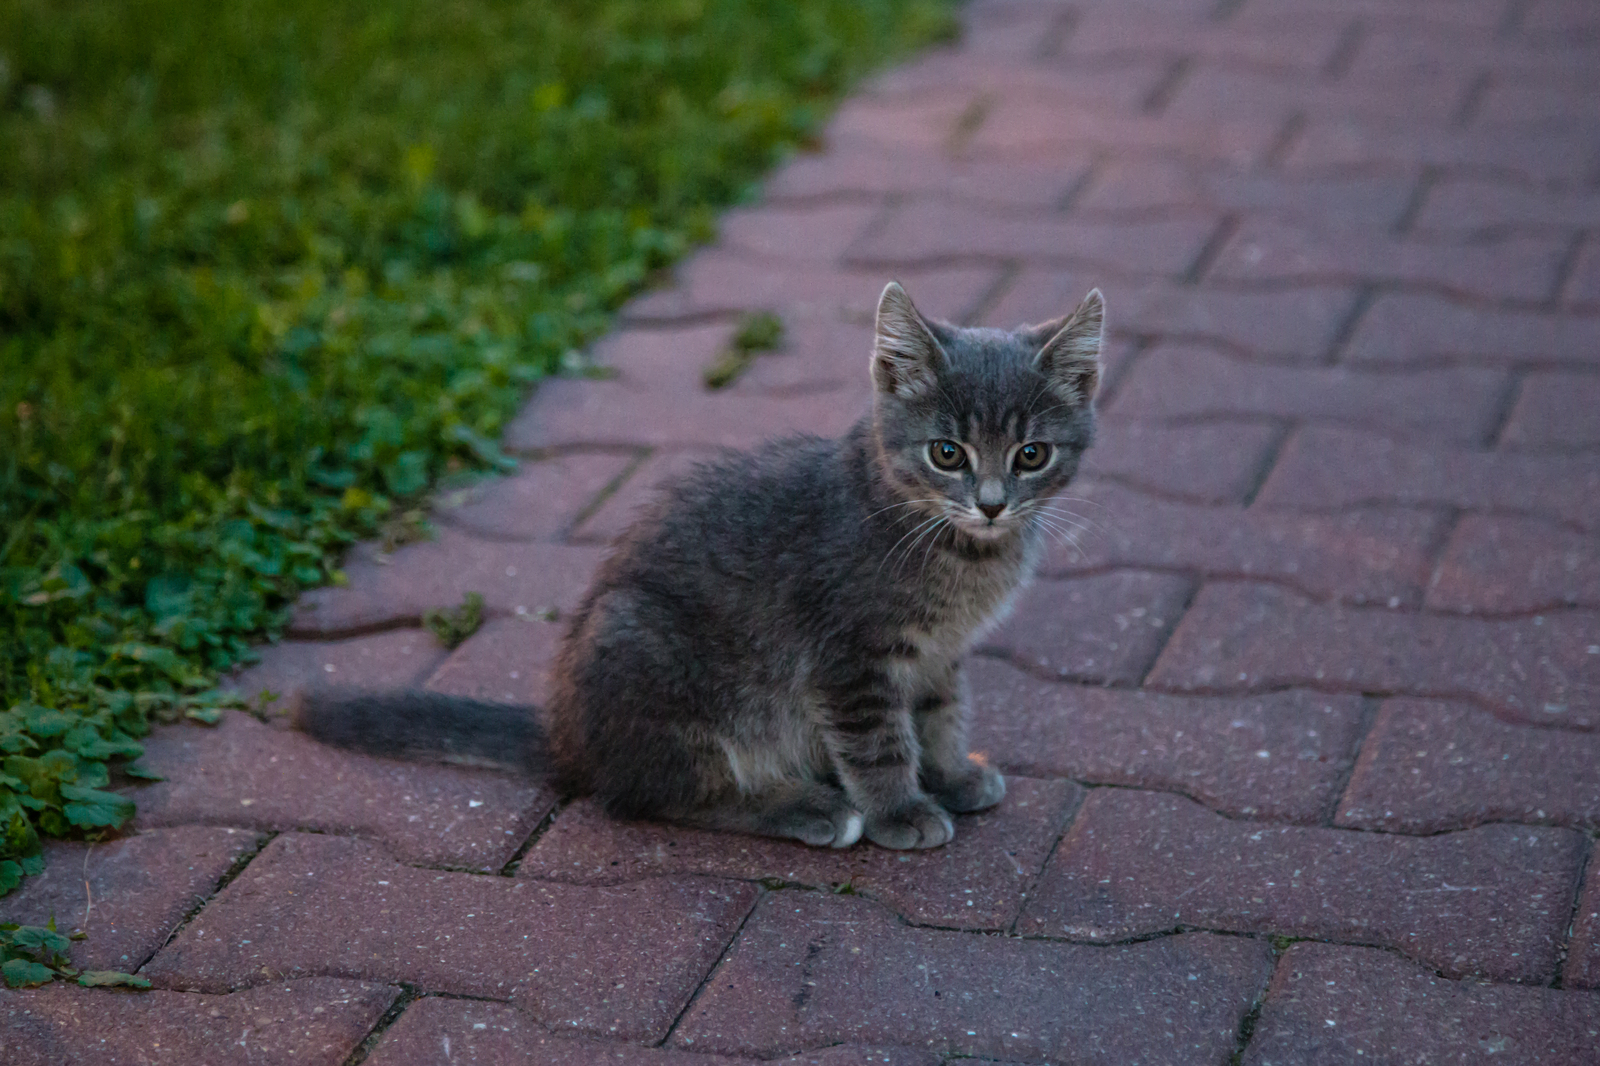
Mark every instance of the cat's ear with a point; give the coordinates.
(1069, 353)
(906, 357)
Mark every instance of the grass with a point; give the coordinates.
(269, 268)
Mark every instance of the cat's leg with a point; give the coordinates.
(876, 757)
(811, 812)
(954, 777)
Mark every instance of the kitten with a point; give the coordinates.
(775, 648)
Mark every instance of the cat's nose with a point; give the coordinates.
(992, 509)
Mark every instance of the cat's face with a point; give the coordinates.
(981, 427)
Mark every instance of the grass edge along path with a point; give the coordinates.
(267, 271)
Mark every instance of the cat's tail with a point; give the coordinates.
(415, 723)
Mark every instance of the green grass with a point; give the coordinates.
(268, 268)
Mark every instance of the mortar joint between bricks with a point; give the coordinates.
(1572, 919)
(1472, 99)
(1219, 237)
(1427, 178)
(1055, 36)
(515, 862)
(1370, 704)
(1161, 94)
(228, 877)
(1283, 141)
(1344, 51)
(1565, 268)
(711, 972)
(408, 995)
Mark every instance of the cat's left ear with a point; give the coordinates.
(1069, 356)
(906, 357)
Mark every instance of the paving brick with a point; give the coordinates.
(928, 231)
(1147, 186)
(1565, 68)
(1492, 902)
(1583, 952)
(814, 233)
(1019, 30)
(1535, 106)
(1408, 328)
(243, 773)
(1326, 468)
(1501, 564)
(924, 122)
(864, 170)
(1366, 555)
(668, 359)
(539, 502)
(469, 1031)
(1176, 382)
(1221, 463)
(1555, 411)
(127, 894)
(983, 83)
(1104, 629)
(1338, 1004)
(1215, 89)
(620, 510)
(1430, 766)
(507, 661)
(613, 961)
(1465, 207)
(977, 881)
(718, 282)
(1349, 144)
(1239, 637)
(1473, 20)
(1264, 42)
(1582, 290)
(818, 355)
(398, 588)
(566, 413)
(304, 1023)
(1283, 756)
(380, 660)
(811, 970)
(1293, 324)
(1522, 267)
(1044, 126)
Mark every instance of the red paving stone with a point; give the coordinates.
(1328, 469)
(1502, 564)
(1429, 766)
(1559, 411)
(399, 588)
(435, 1029)
(1370, 555)
(127, 894)
(1282, 756)
(1491, 902)
(1583, 953)
(1240, 638)
(811, 970)
(1295, 325)
(243, 773)
(379, 660)
(1339, 571)
(1104, 629)
(1177, 383)
(539, 502)
(976, 882)
(1219, 463)
(316, 1022)
(610, 961)
(1337, 1004)
(1406, 329)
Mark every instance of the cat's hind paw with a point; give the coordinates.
(977, 790)
(922, 823)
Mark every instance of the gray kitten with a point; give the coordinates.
(776, 647)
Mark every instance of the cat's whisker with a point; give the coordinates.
(1082, 522)
(915, 529)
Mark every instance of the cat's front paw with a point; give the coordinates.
(981, 787)
(922, 823)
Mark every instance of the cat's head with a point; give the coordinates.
(983, 426)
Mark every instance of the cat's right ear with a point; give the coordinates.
(905, 355)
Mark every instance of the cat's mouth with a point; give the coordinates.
(981, 527)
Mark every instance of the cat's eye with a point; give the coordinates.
(1032, 456)
(947, 455)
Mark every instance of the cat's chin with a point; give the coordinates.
(985, 532)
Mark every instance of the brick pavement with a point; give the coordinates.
(1303, 730)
